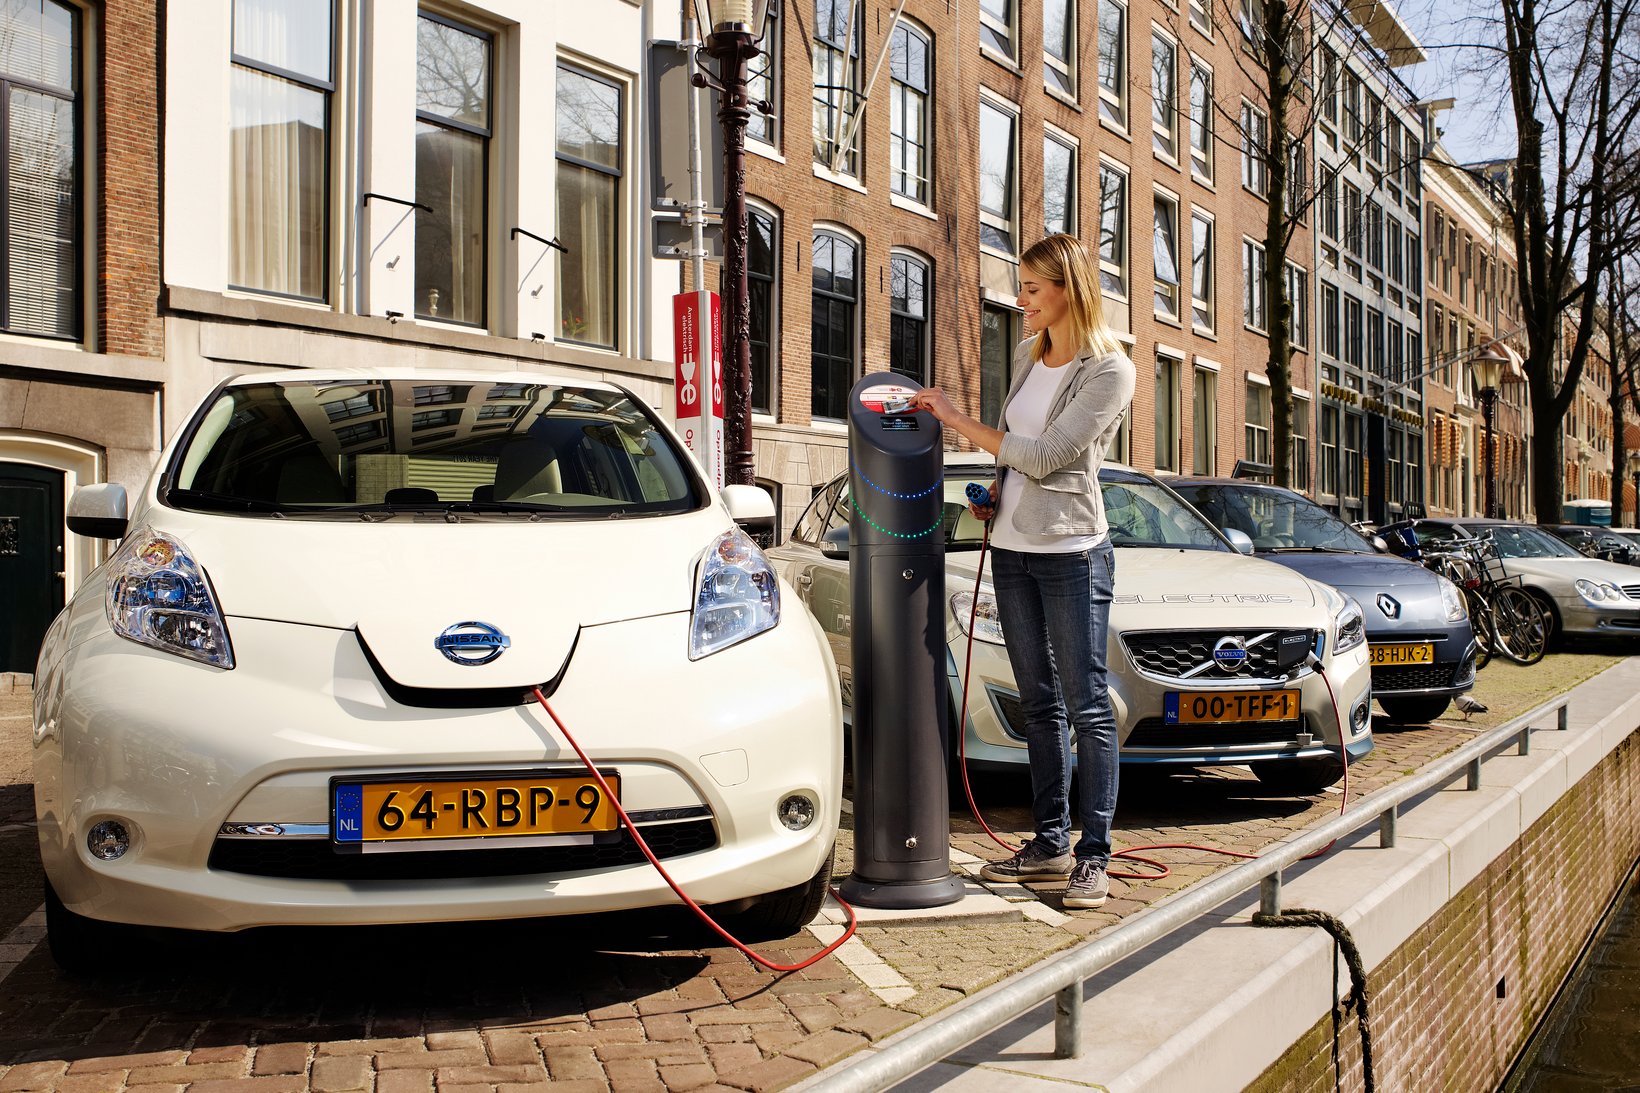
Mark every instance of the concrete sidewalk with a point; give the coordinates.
(1216, 1003)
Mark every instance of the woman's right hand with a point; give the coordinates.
(985, 512)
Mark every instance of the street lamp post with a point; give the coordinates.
(733, 29)
(1488, 366)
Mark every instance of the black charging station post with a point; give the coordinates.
(902, 820)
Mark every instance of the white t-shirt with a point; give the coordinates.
(1028, 416)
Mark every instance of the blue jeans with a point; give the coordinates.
(1055, 611)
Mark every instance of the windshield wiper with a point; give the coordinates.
(1307, 550)
(221, 502)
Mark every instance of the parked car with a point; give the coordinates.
(300, 691)
(1209, 652)
(1596, 542)
(1421, 644)
(1581, 595)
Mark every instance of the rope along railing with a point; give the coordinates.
(1062, 977)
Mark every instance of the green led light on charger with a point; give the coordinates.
(896, 534)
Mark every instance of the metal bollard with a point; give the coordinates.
(1067, 1021)
(1474, 769)
(1269, 895)
(1386, 825)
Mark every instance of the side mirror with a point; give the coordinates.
(1379, 545)
(98, 511)
(752, 508)
(834, 543)
(1239, 540)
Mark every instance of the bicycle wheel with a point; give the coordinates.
(1522, 631)
(1480, 620)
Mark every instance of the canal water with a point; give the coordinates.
(1590, 1042)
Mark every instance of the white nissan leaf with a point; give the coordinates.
(302, 688)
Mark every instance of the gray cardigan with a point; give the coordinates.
(1061, 494)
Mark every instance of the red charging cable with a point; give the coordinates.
(1131, 853)
(632, 830)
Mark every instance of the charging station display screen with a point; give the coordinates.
(899, 424)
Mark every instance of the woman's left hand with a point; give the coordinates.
(935, 402)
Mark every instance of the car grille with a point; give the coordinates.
(1414, 677)
(1153, 732)
(1632, 591)
(314, 859)
(1174, 652)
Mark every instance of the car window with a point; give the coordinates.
(1521, 541)
(813, 521)
(1144, 513)
(839, 515)
(1274, 519)
(309, 448)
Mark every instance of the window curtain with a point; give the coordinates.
(276, 185)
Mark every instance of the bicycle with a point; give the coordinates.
(1459, 565)
(1506, 618)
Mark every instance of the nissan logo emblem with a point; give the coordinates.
(472, 643)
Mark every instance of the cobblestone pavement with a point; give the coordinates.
(637, 1002)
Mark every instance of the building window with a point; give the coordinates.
(1392, 251)
(1059, 46)
(453, 66)
(1113, 61)
(1298, 295)
(762, 270)
(1298, 446)
(1201, 16)
(1167, 414)
(1327, 478)
(1329, 86)
(836, 86)
(998, 334)
(763, 82)
(1254, 310)
(1113, 230)
(1165, 250)
(996, 26)
(1375, 128)
(1329, 201)
(836, 336)
(1204, 423)
(1352, 331)
(1375, 342)
(1375, 235)
(996, 178)
(1201, 120)
(589, 207)
(1354, 481)
(1058, 185)
(1164, 99)
(1201, 271)
(1415, 469)
(1395, 453)
(909, 89)
(908, 317)
(1329, 320)
(1257, 429)
(278, 141)
(1352, 219)
(1255, 140)
(1297, 181)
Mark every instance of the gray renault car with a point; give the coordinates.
(1418, 632)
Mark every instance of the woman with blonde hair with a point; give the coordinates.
(1051, 560)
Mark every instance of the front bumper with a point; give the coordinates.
(176, 750)
(1578, 616)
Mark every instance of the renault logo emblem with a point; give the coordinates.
(1389, 605)
(472, 643)
(1230, 654)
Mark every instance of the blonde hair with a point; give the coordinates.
(1063, 260)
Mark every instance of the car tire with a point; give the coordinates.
(1551, 616)
(1299, 777)
(783, 913)
(1414, 711)
(87, 946)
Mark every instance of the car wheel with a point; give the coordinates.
(1414, 711)
(783, 913)
(86, 946)
(1551, 617)
(1298, 777)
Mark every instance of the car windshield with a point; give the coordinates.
(1522, 541)
(1277, 520)
(371, 449)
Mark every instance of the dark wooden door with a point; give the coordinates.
(31, 560)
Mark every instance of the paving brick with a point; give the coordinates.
(825, 1048)
(230, 1053)
(770, 1074)
(725, 1034)
(672, 1052)
(512, 1049)
(108, 1081)
(430, 1060)
(727, 1058)
(281, 1083)
(634, 1076)
(452, 1040)
(404, 1081)
(126, 1062)
(32, 1076)
(587, 1085)
(681, 1076)
(338, 1073)
(373, 1046)
(490, 1075)
(280, 1059)
(874, 1024)
(566, 1063)
(668, 1026)
(204, 1072)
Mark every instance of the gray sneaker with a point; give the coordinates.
(1088, 886)
(1031, 863)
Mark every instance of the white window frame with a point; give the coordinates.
(1204, 421)
(1168, 434)
(1007, 222)
(1066, 67)
(917, 258)
(1052, 134)
(1165, 135)
(1255, 141)
(1007, 30)
(1255, 308)
(1201, 129)
(1117, 270)
(764, 82)
(1200, 304)
(1113, 101)
(1165, 200)
(1298, 295)
(899, 91)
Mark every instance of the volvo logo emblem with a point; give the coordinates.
(472, 643)
(1230, 654)
(1389, 605)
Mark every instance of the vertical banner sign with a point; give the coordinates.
(697, 338)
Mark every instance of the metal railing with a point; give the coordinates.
(1061, 978)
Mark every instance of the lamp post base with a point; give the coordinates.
(902, 895)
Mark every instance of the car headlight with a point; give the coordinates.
(1598, 591)
(736, 595)
(158, 596)
(987, 620)
(1452, 600)
(1349, 626)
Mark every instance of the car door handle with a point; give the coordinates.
(805, 582)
